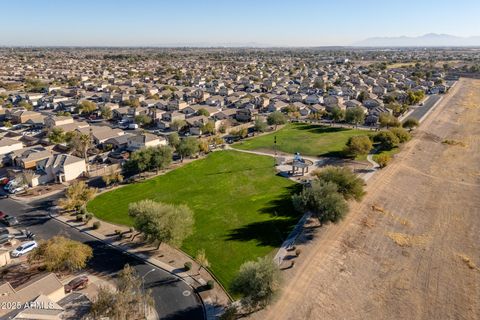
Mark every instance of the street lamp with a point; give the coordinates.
(143, 289)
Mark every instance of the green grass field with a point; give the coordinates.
(308, 139)
(242, 209)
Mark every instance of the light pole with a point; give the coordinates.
(143, 289)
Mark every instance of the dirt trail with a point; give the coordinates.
(411, 248)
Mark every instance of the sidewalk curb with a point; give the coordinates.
(137, 257)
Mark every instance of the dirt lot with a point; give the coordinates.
(410, 249)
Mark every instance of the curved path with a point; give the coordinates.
(174, 299)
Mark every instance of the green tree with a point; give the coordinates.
(188, 147)
(276, 118)
(106, 113)
(178, 124)
(355, 115)
(160, 222)
(401, 134)
(410, 123)
(174, 140)
(387, 120)
(203, 112)
(348, 183)
(386, 139)
(337, 114)
(61, 254)
(259, 125)
(358, 146)
(86, 107)
(161, 157)
(323, 200)
(7, 124)
(80, 142)
(57, 135)
(258, 282)
(143, 119)
(208, 128)
(77, 195)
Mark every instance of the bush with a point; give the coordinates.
(187, 265)
(88, 217)
(80, 217)
(382, 160)
(96, 225)
(210, 284)
(82, 210)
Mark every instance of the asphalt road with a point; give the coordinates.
(174, 299)
(421, 111)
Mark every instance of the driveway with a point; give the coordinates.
(174, 299)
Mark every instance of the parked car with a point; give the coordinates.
(2, 215)
(9, 221)
(5, 238)
(4, 180)
(24, 249)
(14, 190)
(78, 283)
(4, 231)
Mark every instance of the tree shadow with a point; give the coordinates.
(319, 128)
(266, 233)
(186, 314)
(282, 206)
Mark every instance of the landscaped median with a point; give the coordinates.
(242, 209)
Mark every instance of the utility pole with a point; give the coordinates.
(275, 150)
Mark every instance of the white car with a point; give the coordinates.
(24, 248)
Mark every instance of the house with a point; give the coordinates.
(276, 106)
(8, 145)
(314, 99)
(245, 115)
(55, 121)
(27, 158)
(196, 123)
(25, 116)
(100, 134)
(145, 140)
(59, 168)
(44, 289)
(225, 114)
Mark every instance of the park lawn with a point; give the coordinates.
(308, 139)
(242, 209)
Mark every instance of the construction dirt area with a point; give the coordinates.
(411, 248)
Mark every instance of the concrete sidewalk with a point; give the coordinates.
(213, 308)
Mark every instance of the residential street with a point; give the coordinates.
(174, 299)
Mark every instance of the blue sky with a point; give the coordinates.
(223, 22)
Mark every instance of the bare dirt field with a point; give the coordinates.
(411, 248)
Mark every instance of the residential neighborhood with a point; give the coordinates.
(184, 160)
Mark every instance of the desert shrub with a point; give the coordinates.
(96, 225)
(187, 265)
(210, 284)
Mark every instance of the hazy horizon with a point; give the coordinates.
(215, 23)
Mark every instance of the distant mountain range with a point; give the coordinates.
(427, 40)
